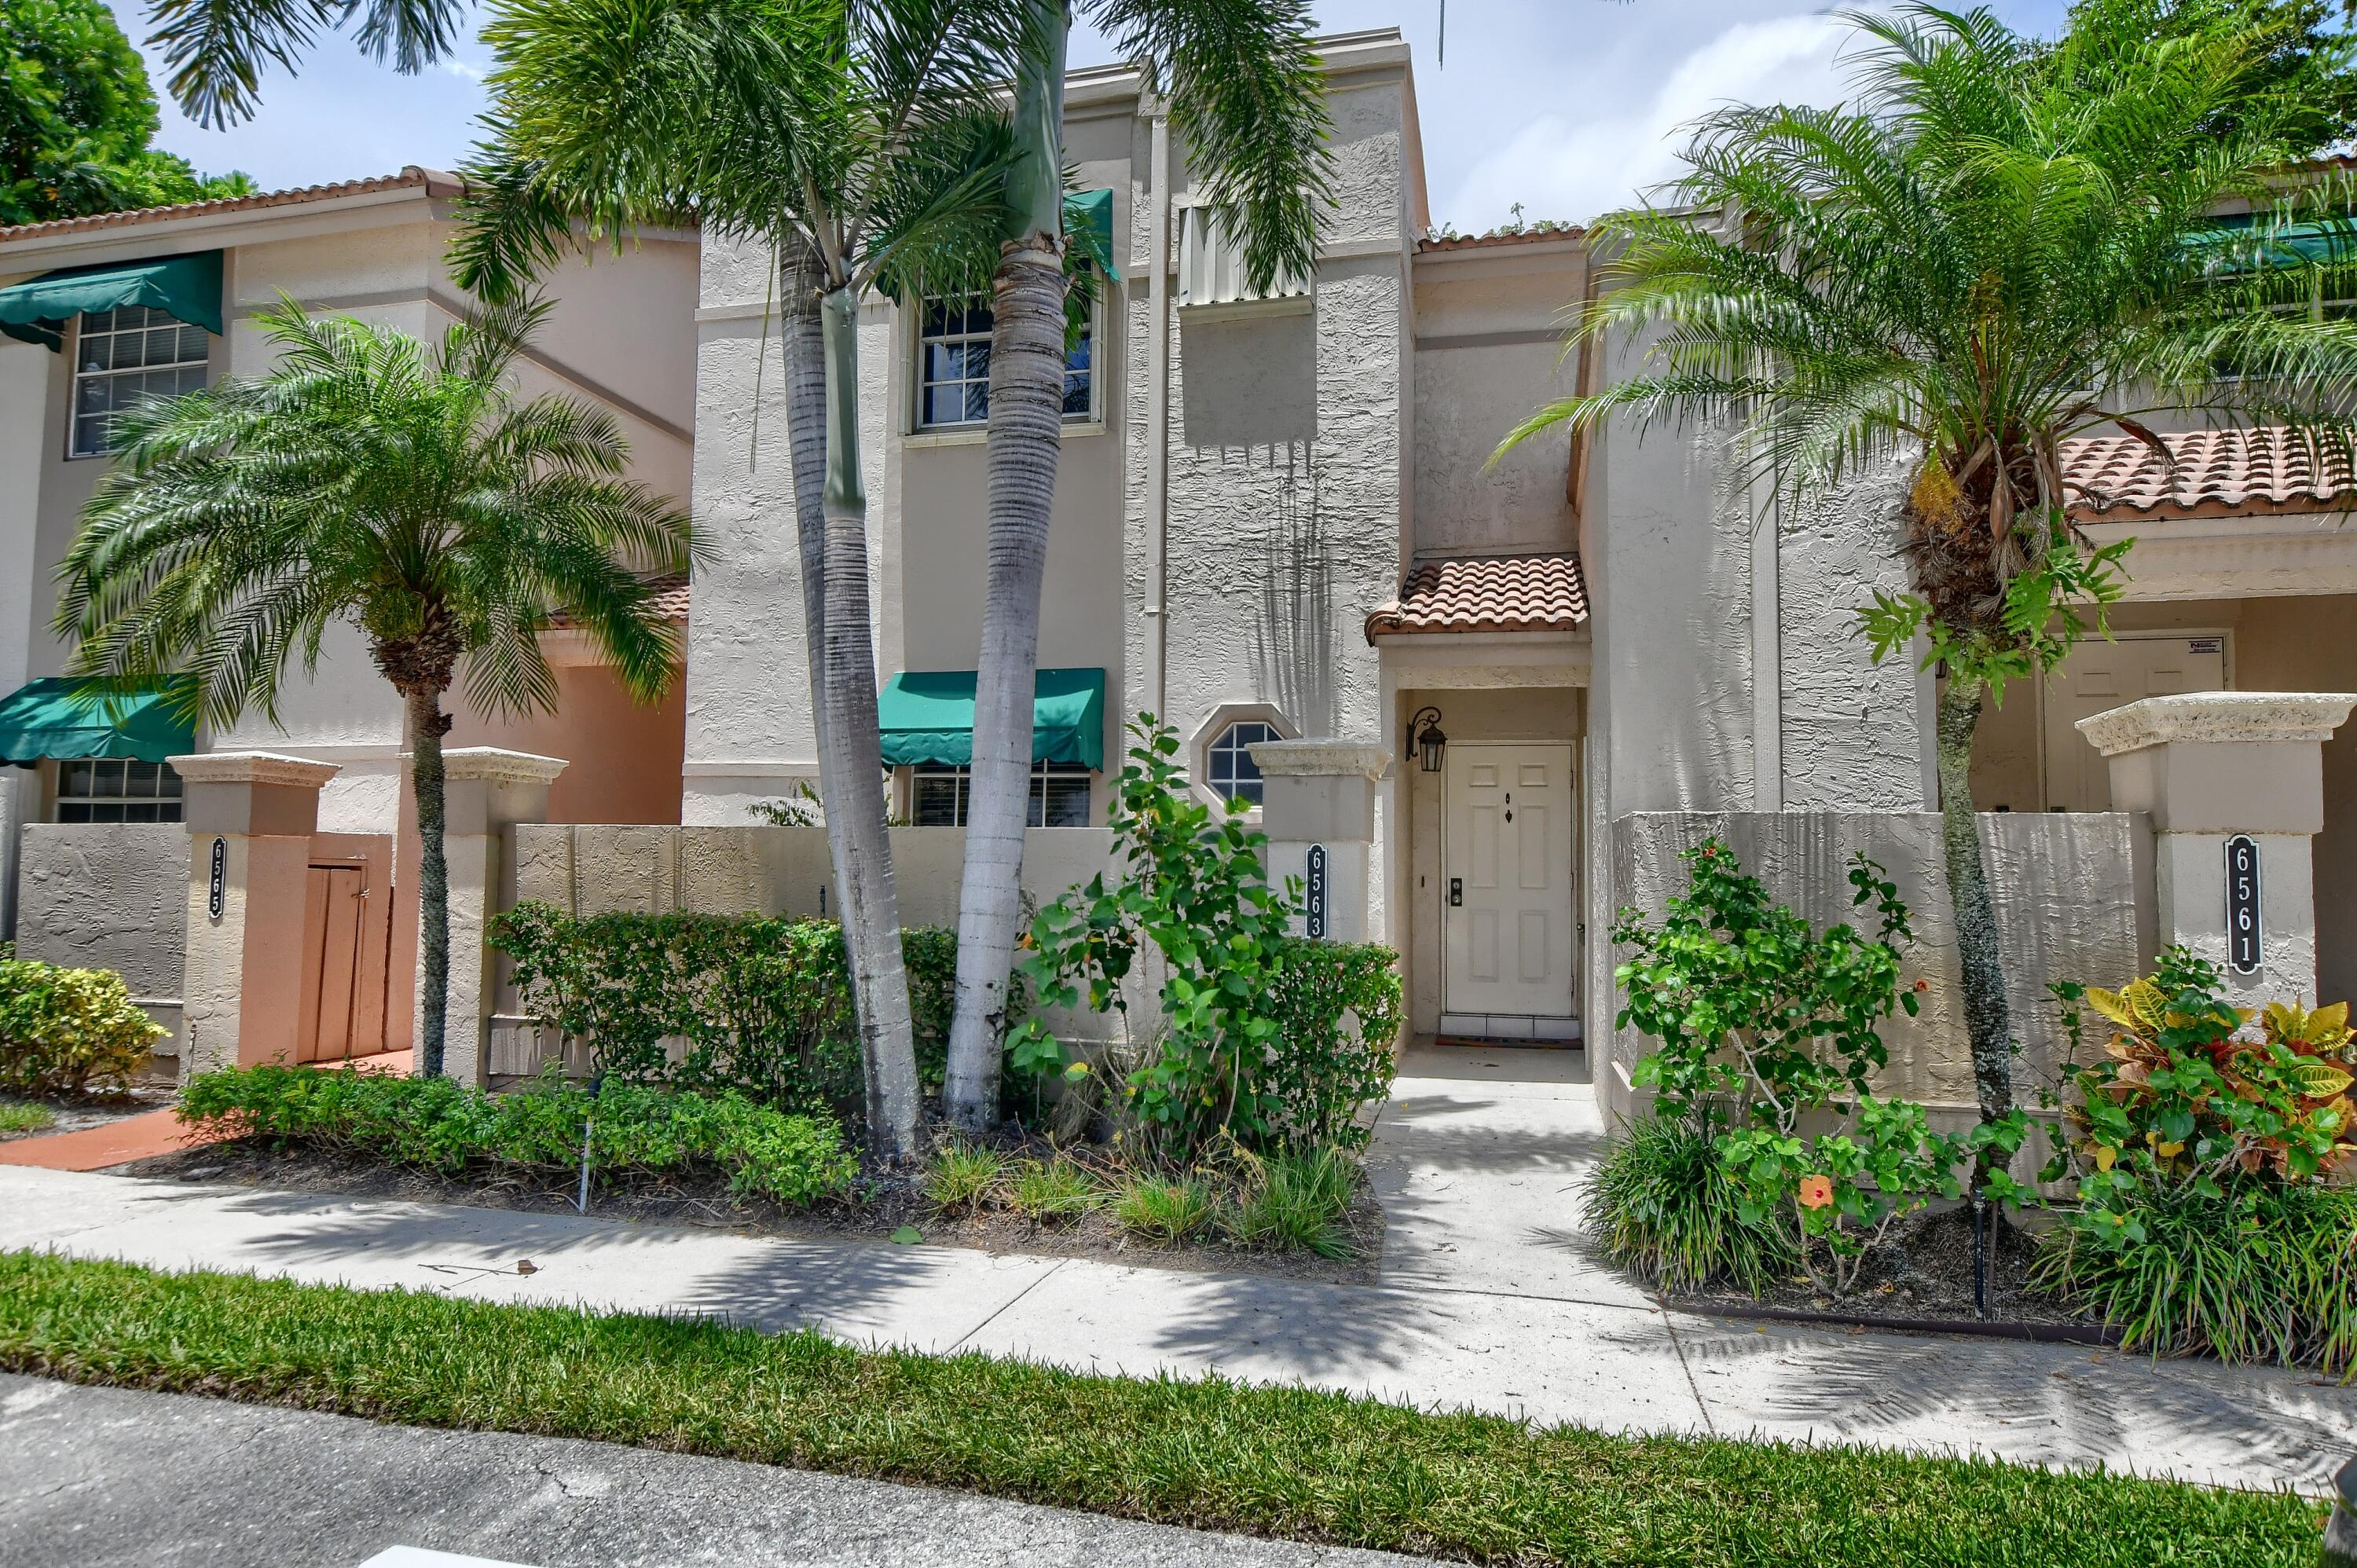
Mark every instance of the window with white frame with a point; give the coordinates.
(954, 367)
(1059, 796)
(118, 789)
(1228, 760)
(122, 358)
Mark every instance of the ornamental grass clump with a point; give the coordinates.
(2204, 1146)
(960, 1178)
(1661, 1205)
(1163, 1210)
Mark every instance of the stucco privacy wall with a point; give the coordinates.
(780, 871)
(2073, 902)
(109, 896)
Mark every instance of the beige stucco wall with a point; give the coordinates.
(1488, 350)
(107, 896)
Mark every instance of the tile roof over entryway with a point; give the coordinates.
(2205, 473)
(1542, 591)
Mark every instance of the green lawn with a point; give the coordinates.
(1217, 1455)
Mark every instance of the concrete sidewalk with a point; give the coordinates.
(118, 1479)
(1543, 1348)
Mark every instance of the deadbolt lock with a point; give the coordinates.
(1456, 892)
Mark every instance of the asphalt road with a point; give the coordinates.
(91, 1477)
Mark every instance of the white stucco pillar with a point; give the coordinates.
(249, 816)
(1318, 806)
(486, 791)
(2234, 784)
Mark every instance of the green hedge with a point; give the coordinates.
(440, 1125)
(764, 1004)
(1338, 1009)
(68, 1030)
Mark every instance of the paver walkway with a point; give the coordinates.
(1487, 1300)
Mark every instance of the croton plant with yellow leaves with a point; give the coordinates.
(2190, 1089)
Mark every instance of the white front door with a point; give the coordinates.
(2098, 676)
(1508, 931)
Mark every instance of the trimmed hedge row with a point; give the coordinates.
(440, 1125)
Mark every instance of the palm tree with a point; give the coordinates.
(217, 53)
(867, 146)
(2005, 243)
(1248, 102)
(364, 479)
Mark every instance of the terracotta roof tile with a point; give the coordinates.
(1432, 239)
(668, 594)
(1486, 593)
(434, 182)
(2207, 473)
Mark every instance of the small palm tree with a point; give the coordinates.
(2006, 242)
(412, 494)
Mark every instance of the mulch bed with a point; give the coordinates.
(890, 1202)
(1921, 1273)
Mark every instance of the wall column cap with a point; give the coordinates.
(497, 765)
(2219, 717)
(252, 768)
(1320, 758)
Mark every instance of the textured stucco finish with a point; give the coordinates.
(107, 896)
(2067, 906)
(1848, 731)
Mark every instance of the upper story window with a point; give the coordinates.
(1059, 796)
(118, 789)
(1235, 776)
(123, 357)
(954, 367)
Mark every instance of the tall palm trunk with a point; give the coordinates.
(801, 276)
(1027, 416)
(426, 727)
(854, 751)
(1987, 1020)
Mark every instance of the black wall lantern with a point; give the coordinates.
(1424, 733)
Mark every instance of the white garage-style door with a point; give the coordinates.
(1507, 930)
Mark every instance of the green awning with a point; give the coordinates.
(2323, 241)
(927, 716)
(187, 287)
(51, 718)
(1088, 224)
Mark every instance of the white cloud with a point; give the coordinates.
(1559, 165)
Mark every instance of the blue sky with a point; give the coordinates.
(1566, 106)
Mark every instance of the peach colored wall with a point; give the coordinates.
(624, 757)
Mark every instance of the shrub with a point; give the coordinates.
(2257, 1272)
(1297, 1201)
(440, 1125)
(764, 1005)
(68, 1030)
(1763, 1022)
(1662, 1204)
(1054, 1189)
(2204, 1142)
(1251, 1041)
(1163, 1209)
(959, 1178)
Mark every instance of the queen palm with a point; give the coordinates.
(867, 146)
(2002, 244)
(1248, 103)
(368, 481)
